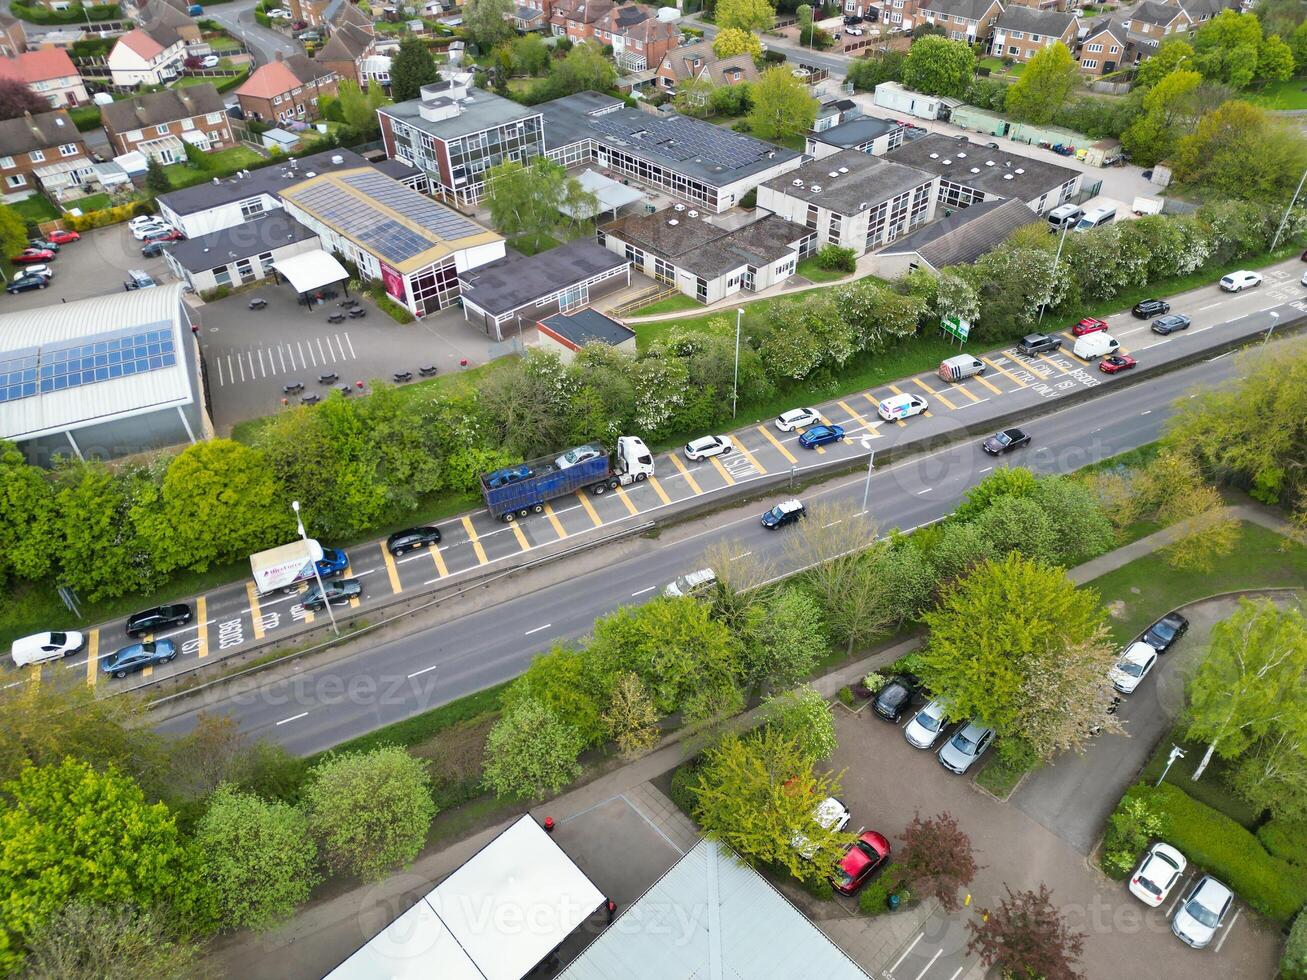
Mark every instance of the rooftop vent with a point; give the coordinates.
(672, 221)
(975, 170)
(694, 214)
(934, 156)
(1008, 177)
(833, 173)
(336, 160)
(1021, 170)
(678, 207)
(771, 154)
(947, 162)
(816, 188)
(961, 155)
(797, 182)
(863, 205)
(989, 163)
(844, 170)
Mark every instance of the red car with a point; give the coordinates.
(1116, 362)
(31, 256)
(168, 235)
(860, 861)
(1088, 325)
(61, 237)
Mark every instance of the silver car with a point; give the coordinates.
(966, 746)
(1200, 914)
(927, 725)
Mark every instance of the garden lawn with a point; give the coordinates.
(36, 208)
(533, 244)
(810, 270)
(219, 164)
(91, 202)
(672, 304)
(1289, 94)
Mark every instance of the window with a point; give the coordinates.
(16, 180)
(252, 207)
(1016, 35)
(135, 136)
(161, 130)
(1013, 50)
(634, 256)
(1093, 48)
(6, 163)
(1090, 65)
(68, 150)
(36, 156)
(222, 276)
(1114, 49)
(213, 117)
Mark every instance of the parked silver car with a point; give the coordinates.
(967, 745)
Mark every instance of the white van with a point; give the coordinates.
(692, 584)
(960, 368)
(895, 408)
(1096, 218)
(40, 647)
(1066, 215)
(1100, 343)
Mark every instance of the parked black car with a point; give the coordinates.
(1038, 343)
(160, 617)
(1147, 308)
(152, 249)
(42, 243)
(413, 537)
(337, 592)
(22, 284)
(895, 697)
(1165, 632)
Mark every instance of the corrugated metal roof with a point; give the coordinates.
(711, 915)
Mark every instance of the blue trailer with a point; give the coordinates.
(518, 491)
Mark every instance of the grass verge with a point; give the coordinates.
(419, 728)
(672, 304)
(1288, 94)
(813, 272)
(999, 778)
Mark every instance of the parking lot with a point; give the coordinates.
(94, 266)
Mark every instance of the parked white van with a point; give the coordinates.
(1096, 217)
(1100, 343)
(40, 647)
(1067, 214)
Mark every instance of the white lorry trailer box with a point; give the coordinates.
(278, 568)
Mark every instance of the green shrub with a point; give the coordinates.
(874, 897)
(395, 311)
(107, 216)
(216, 293)
(1130, 829)
(1286, 839)
(684, 781)
(846, 696)
(85, 117)
(837, 259)
(1293, 964)
(750, 200)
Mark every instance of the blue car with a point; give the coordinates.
(138, 656)
(333, 562)
(509, 474)
(819, 435)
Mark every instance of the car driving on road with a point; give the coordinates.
(1170, 323)
(786, 512)
(1134, 665)
(904, 406)
(1116, 363)
(1005, 441)
(138, 656)
(1090, 324)
(1237, 282)
(797, 418)
(1038, 343)
(413, 537)
(1146, 309)
(157, 618)
(707, 446)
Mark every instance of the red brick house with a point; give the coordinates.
(576, 19)
(1022, 32)
(286, 89)
(639, 39)
(158, 124)
(29, 144)
(13, 39)
(962, 20)
(697, 61)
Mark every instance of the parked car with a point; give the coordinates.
(509, 474)
(1200, 914)
(413, 537)
(152, 250)
(1146, 309)
(149, 230)
(334, 561)
(1163, 633)
(158, 617)
(691, 584)
(898, 407)
(1170, 323)
(865, 856)
(1238, 281)
(706, 446)
(1089, 324)
(967, 745)
(31, 256)
(895, 697)
(61, 237)
(138, 656)
(167, 234)
(926, 726)
(22, 284)
(1115, 363)
(1005, 441)
(42, 243)
(820, 435)
(141, 220)
(797, 418)
(40, 269)
(1038, 343)
(40, 647)
(786, 512)
(1161, 867)
(1134, 665)
(138, 279)
(831, 814)
(591, 450)
(336, 592)
(210, 61)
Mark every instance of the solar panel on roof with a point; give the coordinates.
(58, 367)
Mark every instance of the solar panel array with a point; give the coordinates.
(26, 372)
(686, 139)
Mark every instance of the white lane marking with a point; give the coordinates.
(293, 718)
(643, 591)
(905, 953)
(738, 557)
(262, 373)
(920, 492)
(832, 523)
(240, 363)
(340, 346)
(538, 629)
(987, 469)
(282, 357)
(1149, 412)
(250, 355)
(1221, 942)
(1209, 306)
(955, 974)
(926, 968)
(422, 671)
(218, 361)
(351, 347)
(320, 352)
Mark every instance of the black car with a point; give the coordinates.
(23, 283)
(152, 249)
(1038, 343)
(410, 538)
(42, 243)
(786, 512)
(1005, 441)
(1165, 631)
(895, 697)
(1170, 324)
(851, 20)
(1147, 308)
(160, 617)
(337, 592)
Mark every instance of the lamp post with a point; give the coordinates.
(1275, 318)
(1276, 240)
(866, 488)
(735, 385)
(317, 575)
(1056, 259)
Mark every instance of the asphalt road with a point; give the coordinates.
(238, 18)
(836, 64)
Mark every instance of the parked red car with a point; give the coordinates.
(31, 256)
(860, 861)
(61, 237)
(1088, 325)
(1116, 362)
(168, 235)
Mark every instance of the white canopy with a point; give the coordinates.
(311, 270)
(611, 194)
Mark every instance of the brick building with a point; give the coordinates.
(159, 123)
(29, 143)
(1021, 32)
(962, 20)
(287, 89)
(638, 38)
(697, 61)
(13, 39)
(50, 73)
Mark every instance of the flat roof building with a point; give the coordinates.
(240, 254)
(567, 333)
(957, 239)
(865, 133)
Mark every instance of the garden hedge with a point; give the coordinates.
(1293, 964)
(1286, 839)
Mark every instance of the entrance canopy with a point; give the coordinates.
(612, 195)
(311, 270)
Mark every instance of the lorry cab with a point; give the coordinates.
(634, 458)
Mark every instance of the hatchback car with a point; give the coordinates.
(1200, 914)
(1038, 343)
(150, 229)
(691, 584)
(1134, 665)
(413, 537)
(1163, 633)
(1170, 323)
(1158, 871)
(210, 61)
(865, 856)
(22, 284)
(40, 269)
(897, 407)
(1146, 309)
(141, 220)
(61, 237)
(31, 256)
(786, 512)
(1090, 324)
(967, 745)
(152, 249)
(165, 234)
(797, 418)
(138, 656)
(831, 814)
(160, 617)
(509, 474)
(1005, 441)
(1238, 281)
(1116, 363)
(926, 726)
(42, 243)
(707, 446)
(581, 454)
(895, 697)
(820, 435)
(337, 593)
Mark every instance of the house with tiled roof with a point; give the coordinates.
(352, 49)
(48, 72)
(159, 124)
(532, 15)
(576, 19)
(1152, 18)
(13, 39)
(639, 39)
(35, 146)
(962, 20)
(1108, 44)
(174, 15)
(1201, 11)
(287, 89)
(1022, 32)
(149, 55)
(697, 62)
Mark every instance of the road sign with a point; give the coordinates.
(955, 326)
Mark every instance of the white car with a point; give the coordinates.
(708, 446)
(691, 584)
(41, 647)
(144, 219)
(1133, 667)
(581, 454)
(142, 232)
(831, 814)
(1200, 914)
(1161, 867)
(1303, 280)
(210, 61)
(1237, 281)
(927, 725)
(39, 270)
(278, 13)
(797, 418)
(897, 407)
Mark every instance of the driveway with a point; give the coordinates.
(94, 266)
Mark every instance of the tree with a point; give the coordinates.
(487, 22)
(803, 717)
(1016, 644)
(569, 682)
(1270, 776)
(156, 178)
(1226, 48)
(13, 238)
(782, 107)
(16, 98)
(938, 66)
(411, 68)
(584, 69)
(1275, 61)
(1248, 685)
(1044, 86)
(530, 54)
(358, 107)
(83, 941)
(803, 14)
(785, 641)
(937, 859)
(1027, 938)
(757, 794)
(867, 73)
(73, 834)
(369, 811)
(524, 198)
(29, 525)
(258, 858)
(1171, 55)
(731, 41)
(631, 719)
(1298, 46)
(531, 753)
(747, 15)
(1168, 113)
(694, 97)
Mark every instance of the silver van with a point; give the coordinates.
(960, 367)
(1096, 218)
(692, 584)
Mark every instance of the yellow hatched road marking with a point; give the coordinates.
(255, 612)
(147, 671)
(589, 508)
(658, 489)
(439, 559)
(1052, 363)
(981, 379)
(685, 473)
(202, 626)
(35, 677)
(964, 391)
(553, 519)
(1004, 371)
(927, 388)
(476, 542)
(730, 480)
(630, 507)
(776, 442)
(391, 571)
(871, 429)
(92, 655)
(521, 536)
(349, 573)
(749, 456)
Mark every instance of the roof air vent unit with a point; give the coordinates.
(934, 156)
(833, 174)
(672, 221)
(975, 170)
(863, 205)
(337, 159)
(1008, 177)
(989, 163)
(816, 188)
(694, 214)
(961, 155)
(311, 173)
(796, 182)
(947, 162)
(678, 207)
(1021, 170)
(771, 154)
(844, 170)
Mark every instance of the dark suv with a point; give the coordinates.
(1038, 343)
(1147, 308)
(895, 697)
(160, 617)
(413, 537)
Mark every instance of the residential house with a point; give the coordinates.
(963, 20)
(157, 124)
(1021, 32)
(1156, 20)
(1039, 4)
(351, 50)
(576, 19)
(286, 90)
(32, 144)
(532, 15)
(638, 38)
(150, 55)
(1108, 44)
(895, 15)
(1201, 11)
(697, 62)
(48, 72)
(13, 39)
(172, 13)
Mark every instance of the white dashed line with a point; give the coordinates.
(293, 718)
(424, 670)
(920, 492)
(643, 591)
(745, 555)
(905, 953)
(926, 968)
(538, 629)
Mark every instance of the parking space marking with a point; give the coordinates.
(1228, 929)
(436, 556)
(521, 536)
(351, 347)
(739, 444)
(476, 542)
(926, 969)
(658, 489)
(730, 480)
(1004, 371)
(553, 519)
(349, 573)
(938, 394)
(685, 473)
(820, 449)
(391, 571)
(255, 614)
(589, 507)
(992, 387)
(92, 654)
(963, 389)
(868, 427)
(201, 627)
(911, 947)
(630, 507)
(777, 444)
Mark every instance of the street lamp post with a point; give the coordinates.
(866, 488)
(735, 385)
(1056, 259)
(1276, 240)
(1275, 318)
(317, 575)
